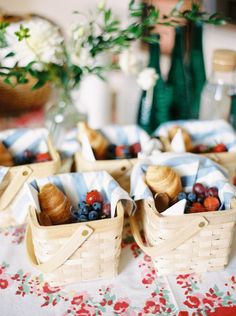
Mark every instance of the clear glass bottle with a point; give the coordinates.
(215, 97)
(62, 117)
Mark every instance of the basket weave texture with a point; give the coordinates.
(76, 252)
(184, 243)
(15, 100)
(187, 243)
(120, 169)
(12, 184)
(21, 98)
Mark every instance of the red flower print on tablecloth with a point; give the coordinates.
(5, 279)
(151, 308)
(15, 234)
(128, 241)
(208, 301)
(148, 273)
(188, 282)
(50, 289)
(79, 299)
(121, 306)
(231, 283)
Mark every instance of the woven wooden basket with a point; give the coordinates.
(225, 159)
(119, 169)
(21, 98)
(75, 252)
(14, 180)
(186, 243)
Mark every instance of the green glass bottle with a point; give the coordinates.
(178, 78)
(196, 67)
(232, 117)
(154, 106)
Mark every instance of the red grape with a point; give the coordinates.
(199, 189)
(213, 191)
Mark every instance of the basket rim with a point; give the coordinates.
(93, 224)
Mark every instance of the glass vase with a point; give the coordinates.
(62, 117)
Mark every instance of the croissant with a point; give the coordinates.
(55, 204)
(97, 141)
(186, 137)
(163, 179)
(5, 156)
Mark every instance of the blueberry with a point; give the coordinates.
(19, 160)
(200, 199)
(83, 218)
(181, 196)
(97, 206)
(93, 215)
(81, 204)
(85, 209)
(75, 213)
(192, 197)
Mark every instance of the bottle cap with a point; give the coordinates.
(224, 60)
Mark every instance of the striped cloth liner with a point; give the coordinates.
(191, 168)
(204, 132)
(18, 140)
(125, 134)
(118, 135)
(76, 185)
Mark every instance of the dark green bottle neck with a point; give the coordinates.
(154, 54)
(197, 29)
(178, 50)
(233, 104)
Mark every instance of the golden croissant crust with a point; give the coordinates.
(163, 179)
(186, 137)
(98, 142)
(55, 204)
(5, 156)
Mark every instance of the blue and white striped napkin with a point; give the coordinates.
(76, 185)
(18, 140)
(118, 135)
(203, 132)
(191, 168)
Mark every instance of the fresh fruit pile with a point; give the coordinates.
(201, 199)
(92, 208)
(203, 149)
(123, 151)
(28, 157)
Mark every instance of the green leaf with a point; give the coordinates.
(107, 15)
(11, 54)
(23, 33)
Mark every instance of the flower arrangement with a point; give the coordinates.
(37, 48)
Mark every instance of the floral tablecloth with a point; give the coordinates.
(136, 291)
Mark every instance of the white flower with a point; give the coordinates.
(130, 62)
(101, 4)
(43, 46)
(82, 57)
(147, 78)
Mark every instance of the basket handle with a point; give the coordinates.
(14, 186)
(175, 241)
(65, 252)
